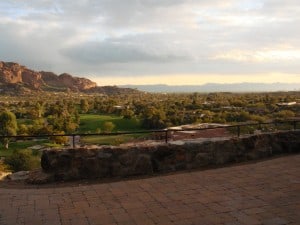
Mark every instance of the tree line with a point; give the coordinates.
(60, 114)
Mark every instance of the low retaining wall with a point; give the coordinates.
(123, 161)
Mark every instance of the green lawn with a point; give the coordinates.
(111, 140)
(106, 140)
(23, 145)
(91, 122)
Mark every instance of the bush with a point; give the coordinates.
(61, 140)
(108, 127)
(21, 160)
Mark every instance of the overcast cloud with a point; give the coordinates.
(138, 38)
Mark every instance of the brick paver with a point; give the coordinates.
(266, 192)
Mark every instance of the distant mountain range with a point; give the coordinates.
(15, 78)
(215, 87)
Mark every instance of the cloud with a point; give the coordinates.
(140, 37)
(266, 55)
(111, 52)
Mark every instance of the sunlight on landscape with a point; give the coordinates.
(261, 56)
(149, 112)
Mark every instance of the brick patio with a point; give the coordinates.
(266, 192)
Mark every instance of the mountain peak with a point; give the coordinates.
(14, 73)
(15, 78)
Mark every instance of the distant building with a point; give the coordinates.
(208, 103)
(286, 103)
(119, 107)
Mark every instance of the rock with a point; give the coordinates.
(15, 78)
(21, 175)
(76, 83)
(259, 153)
(12, 73)
(162, 153)
(39, 177)
(202, 159)
(276, 147)
(64, 160)
(128, 158)
(95, 168)
(32, 78)
(224, 152)
(37, 147)
(143, 165)
(117, 169)
(178, 142)
(180, 156)
(103, 155)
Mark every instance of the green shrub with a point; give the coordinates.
(108, 126)
(22, 160)
(60, 139)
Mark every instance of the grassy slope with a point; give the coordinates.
(90, 123)
(19, 145)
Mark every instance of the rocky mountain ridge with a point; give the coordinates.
(19, 79)
(13, 73)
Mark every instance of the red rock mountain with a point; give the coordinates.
(13, 73)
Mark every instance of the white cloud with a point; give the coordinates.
(117, 51)
(152, 37)
(260, 56)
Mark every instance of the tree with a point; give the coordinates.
(285, 114)
(108, 126)
(20, 160)
(8, 126)
(154, 118)
(60, 139)
(39, 109)
(84, 105)
(61, 119)
(40, 126)
(127, 114)
(23, 129)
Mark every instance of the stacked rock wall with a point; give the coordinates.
(142, 159)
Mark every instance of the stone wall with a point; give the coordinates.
(142, 159)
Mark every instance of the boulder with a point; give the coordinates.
(20, 175)
(39, 177)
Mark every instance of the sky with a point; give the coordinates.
(173, 42)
